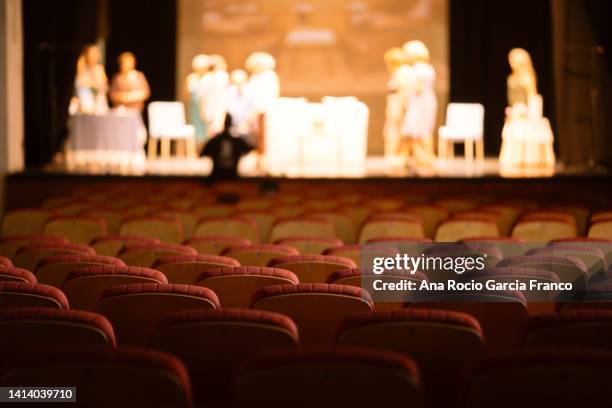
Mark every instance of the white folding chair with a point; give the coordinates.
(464, 123)
(167, 123)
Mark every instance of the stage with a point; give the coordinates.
(376, 167)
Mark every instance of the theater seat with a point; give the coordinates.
(557, 378)
(442, 342)
(25, 221)
(363, 254)
(113, 217)
(260, 254)
(391, 227)
(10, 274)
(594, 259)
(78, 229)
(10, 245)
(54, 270)
(329, 378)
(236, 286)
(113, 244)
(214, 245)
(212, 343)
(134, 309)
(579, 329)
(105, 377)
(317, 309)
(312, 268)
(430, 215)
(18, 294)
(5, 262)
(32, 328)
(601, 229)
(567, 268)
(166, 229)
(29, 256)
(544, 229)
(301, 227)
(186, 268)
(144, 255)
(310, 245)
(238, 227)
(490, 308)
(84, 286)
(458, 229)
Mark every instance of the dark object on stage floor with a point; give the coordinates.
(225, 151)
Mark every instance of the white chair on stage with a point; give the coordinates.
(464, 123)
(167, 123)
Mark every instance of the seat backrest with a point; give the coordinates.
(164, 117)
(317, 309)
(214, 245)
(78, 229)
(235, 226)
(29, 256)
(10, 245)
(391, 227)
(468, 117)
(166, 229)
(26, 221)
(301, 227)
(213, 342)
(84, 286)
(236, 286)
(128, 377)
(259, 255)
(561, 378)
(54, 270)
(187, 268)
(20, 294)
(113, 244)
(567, 268)
(134, 309)
(333, 377)
(601, 229)
(28, 329)
(144, 255)
(312, 268)
(542, 230)
(10, 274)
(456, 230)
(578, 329)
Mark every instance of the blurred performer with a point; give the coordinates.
(420, 115)
(265, 86)
(91, 83)
(527, 137)
(396, 65)
(129, 87)
(240, 106)
(212, 91)
(199, 67)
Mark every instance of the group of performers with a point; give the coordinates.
(129, 87)
(410, 117)
(211, 92)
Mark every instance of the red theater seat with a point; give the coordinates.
(213, 342)
(135, 308)
(166, 229)
(29, 256)
(238, 227)
(10, 245)
(317, 309)
(83, 287)
(567, 268)
(362, 255)
(329, 378)
(105, 377)
(310, 245)
(442, 342)
(312, 268)
(539, 379)
(10, 274)
(18, 294)
(391, 227)
(258, 255)
(236, 286)
(214, 245)
(79, 229)
(579, 329)
(25, 221)
(29, 329)
(301, 227)
(113, 244)
(490, 308)
(186, 268)
(54, 270)
(5, 262)
(144, 255)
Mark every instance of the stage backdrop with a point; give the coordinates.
(322, 47)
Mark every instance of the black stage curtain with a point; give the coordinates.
(481, 34)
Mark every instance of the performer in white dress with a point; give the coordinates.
(91, 83)
(421, 110)
(395, 60)
(527, 137)
(193, 98)
(212, 90)
(240, 104)
(265, 87)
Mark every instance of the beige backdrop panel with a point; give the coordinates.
(323, 47)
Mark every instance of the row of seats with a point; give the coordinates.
(262, 220)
